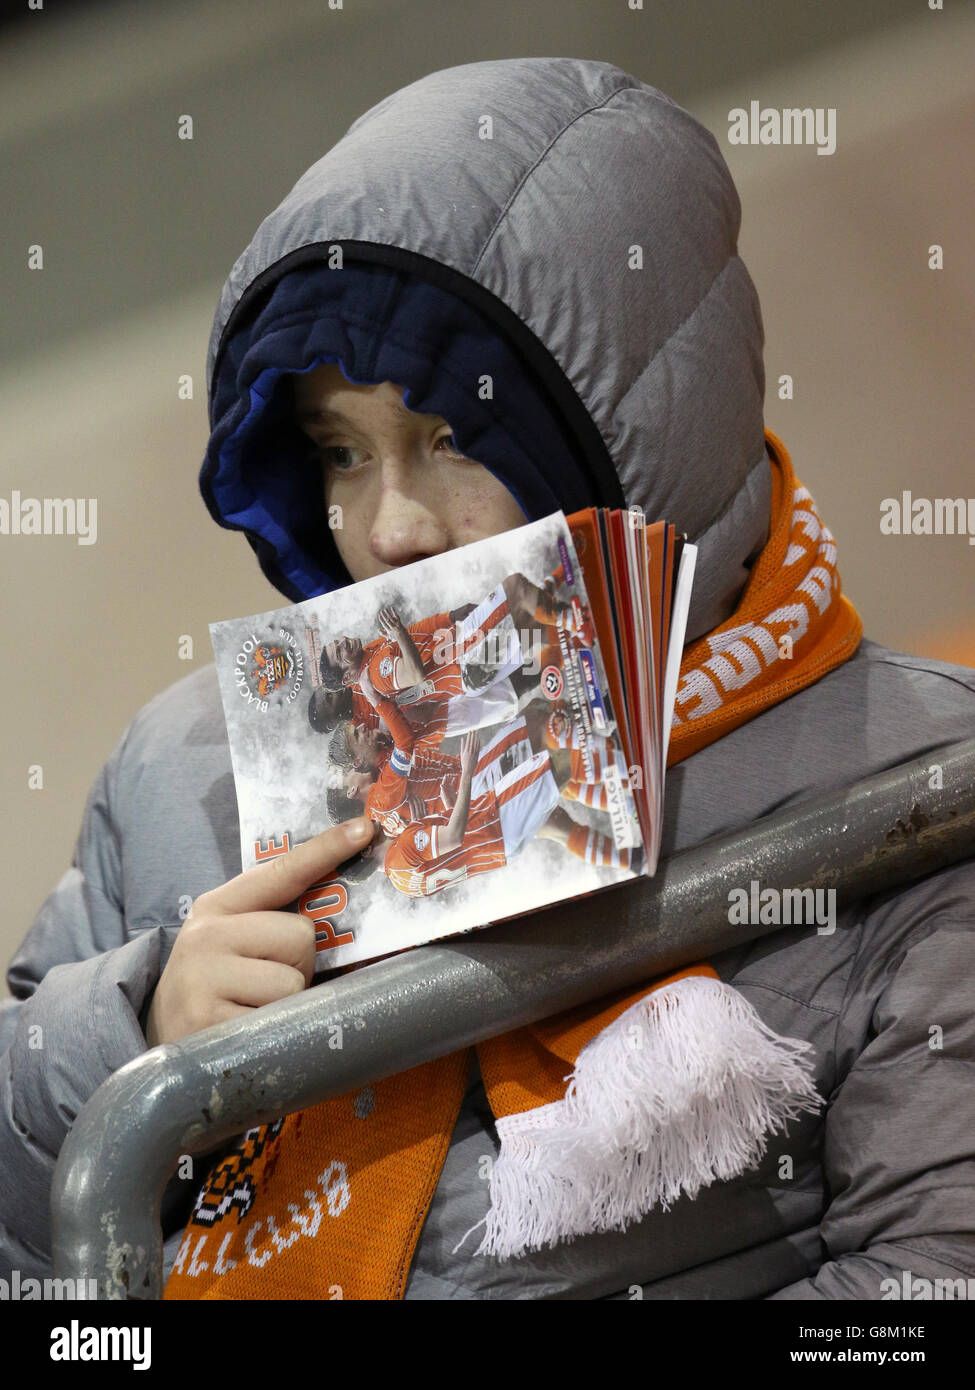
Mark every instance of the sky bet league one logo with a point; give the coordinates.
(269, 669)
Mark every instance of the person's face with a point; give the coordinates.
(369, 746)
(345, 652)
(404, 491)
(357, 785)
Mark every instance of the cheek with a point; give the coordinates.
(483, 506)
(349, 523)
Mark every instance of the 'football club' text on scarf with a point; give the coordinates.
(602, 1112)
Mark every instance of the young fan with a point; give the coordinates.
(471, 340)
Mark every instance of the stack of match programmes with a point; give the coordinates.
(501, 714)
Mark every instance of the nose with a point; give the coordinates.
(406, 525)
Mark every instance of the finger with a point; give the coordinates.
(223, 1010)
(285, 937)
(278, 881)
(252, 983)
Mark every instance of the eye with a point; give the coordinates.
(451, 448)
(342, 458)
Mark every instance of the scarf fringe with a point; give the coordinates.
(680, 1091)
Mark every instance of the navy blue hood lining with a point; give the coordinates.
(383, 323)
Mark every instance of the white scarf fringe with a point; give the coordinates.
(680, 1091)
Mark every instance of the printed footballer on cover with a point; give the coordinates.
(477, 733)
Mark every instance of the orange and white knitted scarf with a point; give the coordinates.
(602, 1112)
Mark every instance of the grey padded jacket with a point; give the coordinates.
(668, 365)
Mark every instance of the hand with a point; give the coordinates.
(390, 622)
(234, 952)
(448, 790)
(367, 687)
(469, 750)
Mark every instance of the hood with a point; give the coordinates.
(552, 222)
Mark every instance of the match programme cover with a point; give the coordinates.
(460, 702)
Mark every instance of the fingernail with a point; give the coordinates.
(358, 831)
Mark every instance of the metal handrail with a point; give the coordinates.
(190, 1096)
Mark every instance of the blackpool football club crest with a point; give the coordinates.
(269, 669)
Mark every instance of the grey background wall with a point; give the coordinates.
(139, 229)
